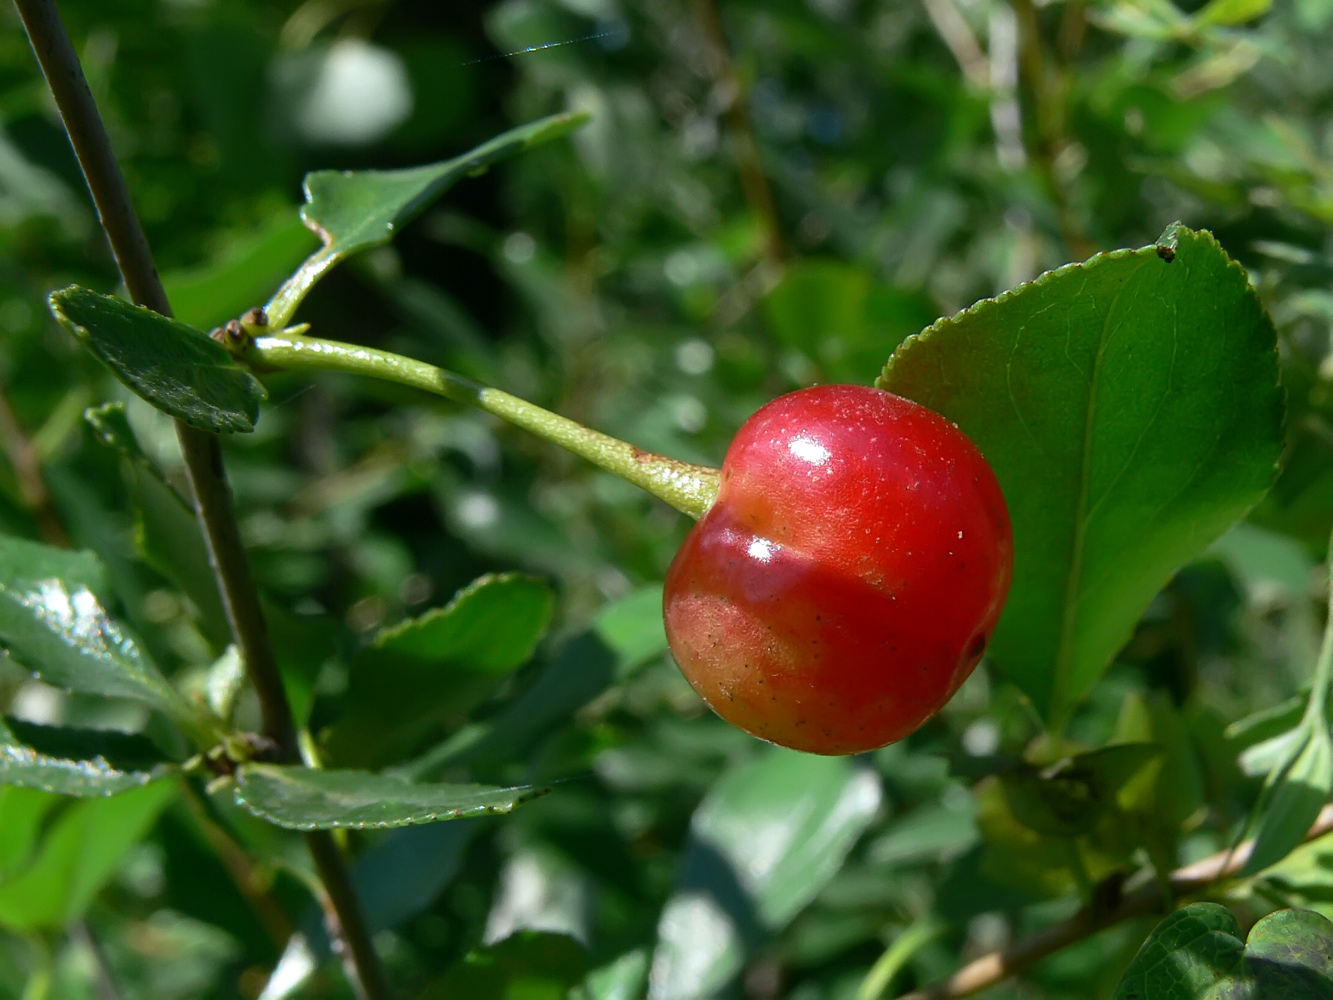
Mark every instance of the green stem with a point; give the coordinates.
(282, 307)
(689, 488)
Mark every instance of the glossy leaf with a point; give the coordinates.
(79, 762)
(55, 624)
(175, 367)
(352, 211)
(1197, 954)
(302, 798)
(80, 851)
(434, 668)
(1131, 410)
(766, 840)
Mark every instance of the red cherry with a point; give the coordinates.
(848, 576)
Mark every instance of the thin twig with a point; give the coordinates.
(202, 453)
(754, 182)
(28, 473)
(1048, 90)
(247, 878)
(957, 35)
(1147, 899)
(103, 981)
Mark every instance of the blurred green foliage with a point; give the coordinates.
(768, 194)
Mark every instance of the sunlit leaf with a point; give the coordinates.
(56, 625)
(79, 762)
(1131, 410)
(303, 798)
(352, 211)
(1197, 954)
(433, 668)
(175, 367)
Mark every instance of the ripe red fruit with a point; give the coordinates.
(848, 576)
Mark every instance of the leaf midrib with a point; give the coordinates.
(1060, 684)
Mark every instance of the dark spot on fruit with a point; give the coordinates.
(977, 646)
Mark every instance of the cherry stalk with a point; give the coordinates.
(850, 563)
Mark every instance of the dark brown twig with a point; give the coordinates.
(754, 182)
(202, 453)
(1149, 898)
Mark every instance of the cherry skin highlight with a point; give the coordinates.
(847, 578)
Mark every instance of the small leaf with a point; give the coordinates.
(1196, 954)
(79, 762)
(175, 367)
(353, 211)
(1290, 955)
(1188, 953)
(763, 843)
(1298, 794)
(58, 628)
(302, 798)
(435, 668)
(1131, 410)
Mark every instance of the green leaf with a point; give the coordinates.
(79, 762)
(302, 798)
(55, 624)
(435, 668)
(1131, 410)
(173, 366)
(242, 275)
(1290, 955)
(626, 978)
(632, 629)
(763, 843)
(1229, 12)
(24, 810)
(1197, 954)
(1263, 560)
(1185, 956)
(79, 853)
(530, 965)
(1297, 793)
(625, 634)
(353, 211)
